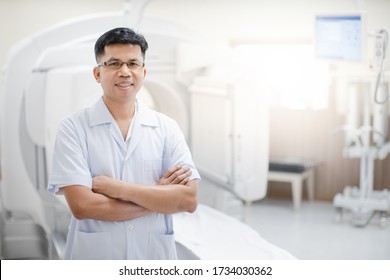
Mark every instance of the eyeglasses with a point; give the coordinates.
(132, 65)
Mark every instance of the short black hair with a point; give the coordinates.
(120, 35)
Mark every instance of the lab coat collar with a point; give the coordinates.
(146, 116)
(99, 114)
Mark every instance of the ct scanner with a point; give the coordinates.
(48, 76)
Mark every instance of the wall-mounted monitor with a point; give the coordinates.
(341, 37)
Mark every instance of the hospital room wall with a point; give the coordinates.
(302, 133)
(227, 20)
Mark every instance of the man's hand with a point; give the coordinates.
(109, 186)
(105, 185)
(176, 175)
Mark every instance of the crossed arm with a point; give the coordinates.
(115, 200)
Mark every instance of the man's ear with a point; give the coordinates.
(96, 74)
(144, 72)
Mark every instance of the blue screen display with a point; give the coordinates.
(339, 37)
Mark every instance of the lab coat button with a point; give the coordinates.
(130, 227)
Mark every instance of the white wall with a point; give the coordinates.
(221, 19)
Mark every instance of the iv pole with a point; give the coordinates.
(364, 201)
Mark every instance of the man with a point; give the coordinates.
(123, 168)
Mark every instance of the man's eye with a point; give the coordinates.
(113, 63)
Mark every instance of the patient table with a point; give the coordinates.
(209, 234)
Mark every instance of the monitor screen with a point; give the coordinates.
(340, 37)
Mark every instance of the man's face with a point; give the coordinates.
(120, 83)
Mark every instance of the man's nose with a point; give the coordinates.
(124, 70)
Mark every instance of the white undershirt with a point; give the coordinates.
(128, 136)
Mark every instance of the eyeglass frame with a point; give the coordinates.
(105, 63)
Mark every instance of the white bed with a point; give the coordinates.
(209, 234)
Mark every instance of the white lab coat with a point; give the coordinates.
(88, 144)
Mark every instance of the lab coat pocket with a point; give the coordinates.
(161, 247)
(152, 171)
(92, 246)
